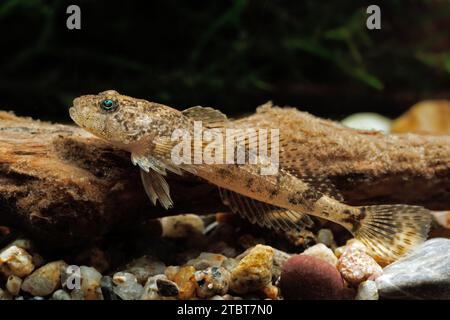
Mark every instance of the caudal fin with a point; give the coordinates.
(389, 231)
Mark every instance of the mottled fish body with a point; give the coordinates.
(282, 201)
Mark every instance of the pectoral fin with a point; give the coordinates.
(147, 164)
(263, 214)
(156, 188)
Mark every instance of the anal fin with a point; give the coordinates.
(264, 214)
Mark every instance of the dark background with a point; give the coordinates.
(233, 55)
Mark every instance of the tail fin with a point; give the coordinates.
(389, 231)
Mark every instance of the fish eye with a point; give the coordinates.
(108, 105)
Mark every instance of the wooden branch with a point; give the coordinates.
(367, 167)
(65, 186)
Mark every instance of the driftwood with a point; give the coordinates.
(64, 186)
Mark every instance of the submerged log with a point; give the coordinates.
(64, 186)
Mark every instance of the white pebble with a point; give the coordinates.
(13, 284)
(367, 290)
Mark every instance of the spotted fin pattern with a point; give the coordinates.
(263, 214)
(389, 231)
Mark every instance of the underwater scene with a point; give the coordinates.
(224, 150)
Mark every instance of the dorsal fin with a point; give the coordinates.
(263, 214)
(210, 117)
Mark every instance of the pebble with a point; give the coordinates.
(182, 226)
(356, 266)
(61, 295)
(339, 251)
(45, 280)
(310, 278)
(122, 277)
(254, 271)
(107, 287)
(171, 272)
(25, 244)
(279, 258)
(322, 252)
(16, 261)
(367, 290)
(424, 273)
(151, 291)
(230, 264)
(90, 283)
(368, 121)
(71, 277)
(167, 288)
(127, 286)
(326, 237)
(13, 284)
(186, 283)
(206, 260)
(145, 267)
(77, 294)
(271, 291)
(5, 295)
(212, 281)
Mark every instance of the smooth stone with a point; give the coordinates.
(322, 252)
(16, 261)
(45, 280)
(326, 237)
(279, 259)
(367, 290)
(90, 283)
(128, 288)
(310, 278)
(368, 121)
(107, 287)
(151, 291)
(182, 226)
(5, 295)
(171, 272)
(167, 288)
(13, 284)
(144, 268)
(424, 273)
(77, 294)
(61, 295)
(207, 260)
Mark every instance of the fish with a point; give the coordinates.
(283, 200)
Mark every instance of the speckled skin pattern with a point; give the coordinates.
(144, 128)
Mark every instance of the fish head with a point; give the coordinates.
(120, 119)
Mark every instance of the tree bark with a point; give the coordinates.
(63, 186)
